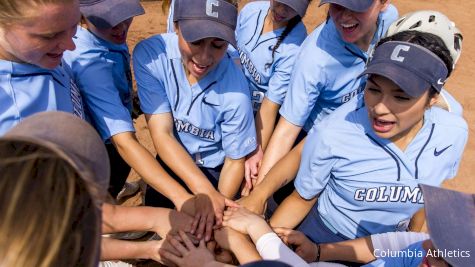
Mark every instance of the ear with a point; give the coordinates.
(385, 5)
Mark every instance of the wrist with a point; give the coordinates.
(319, 251)
(181, 199)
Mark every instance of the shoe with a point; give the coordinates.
(129, 189)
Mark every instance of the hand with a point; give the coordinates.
(241, 219)
(251, 167)
(189, 255)
(253, 203)
(303, 246)
(221, 255)
(176, 221)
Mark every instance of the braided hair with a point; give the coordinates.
(290, 26)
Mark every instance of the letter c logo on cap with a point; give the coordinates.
(396, 52)
(209, 8)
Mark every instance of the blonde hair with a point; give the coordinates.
(48, 217)
(14, 10)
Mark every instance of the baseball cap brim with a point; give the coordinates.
(299, 6)
(208, 29)
(71, 138)
(354, 5)
(451, 222)
(107, 14)
(404, 78)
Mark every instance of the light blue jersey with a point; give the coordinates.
(213, 118)
(366, 184)
(26, 89)
(102, 71)
(326, 71)
(255, 52)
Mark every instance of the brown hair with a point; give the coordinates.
(49, 217)
(14, 10)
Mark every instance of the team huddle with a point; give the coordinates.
(274, 147)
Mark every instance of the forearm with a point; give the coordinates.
(142, 161)
(291, 211)
(122, 219)
(114, 249)
(281, 174)
(244, 250)
(280, 143)
(265, 122)
(231, 177)
(356, 250)
(176, 157)
(417, 221)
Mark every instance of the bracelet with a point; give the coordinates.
(318, 252)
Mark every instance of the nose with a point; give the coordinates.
(380, 106)
(346, 13)
(66, 43)
(205, 54)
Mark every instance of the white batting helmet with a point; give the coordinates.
(431, 22)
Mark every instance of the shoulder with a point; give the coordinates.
(448, 120)
(390, 14)
(254, 8)
(161, 44)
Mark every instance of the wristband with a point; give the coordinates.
(318, 252)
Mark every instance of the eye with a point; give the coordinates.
(197, 43)
(218, 45)
(49, 36)
(373, 90)
(402, 98)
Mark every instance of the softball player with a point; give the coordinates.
(197, 101)
(32, 76)
(326, 69)
(365, 165)
(269, 34)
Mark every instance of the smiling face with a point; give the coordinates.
(357, 27)
(115, 35)
(394, 114)
(200, 57)
(281, 13)
(42, 35)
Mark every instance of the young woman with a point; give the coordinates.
(197, 101)
(424, 21)
(31, 49)
(326, 70)
(269, 34)
(364, 165)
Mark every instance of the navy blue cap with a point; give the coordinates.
(199, 19)
(266, 263)
(109, 13)
(354, 5)
(412, 67)
(451, 222)
(299, 6)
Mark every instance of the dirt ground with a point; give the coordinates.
(154, 22)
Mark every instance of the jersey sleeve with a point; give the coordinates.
(238, 128)
(280, 79)
(102, 98)
(306, 83)
(149, 75)
(316, 165)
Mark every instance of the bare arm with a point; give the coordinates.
(265, 121)
(238, 243)
(160, 220)
(231, 177)
(114, 249)
(280, 143)
(281, 174)
(292, 211)
(417, 221)
(356, 250)
(142, 161)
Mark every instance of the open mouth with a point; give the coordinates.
(200, 69)
(349, 27)
(55, 55)
(383, 126)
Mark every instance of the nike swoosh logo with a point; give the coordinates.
(439, 81)
(208, 103)
(437, 153)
